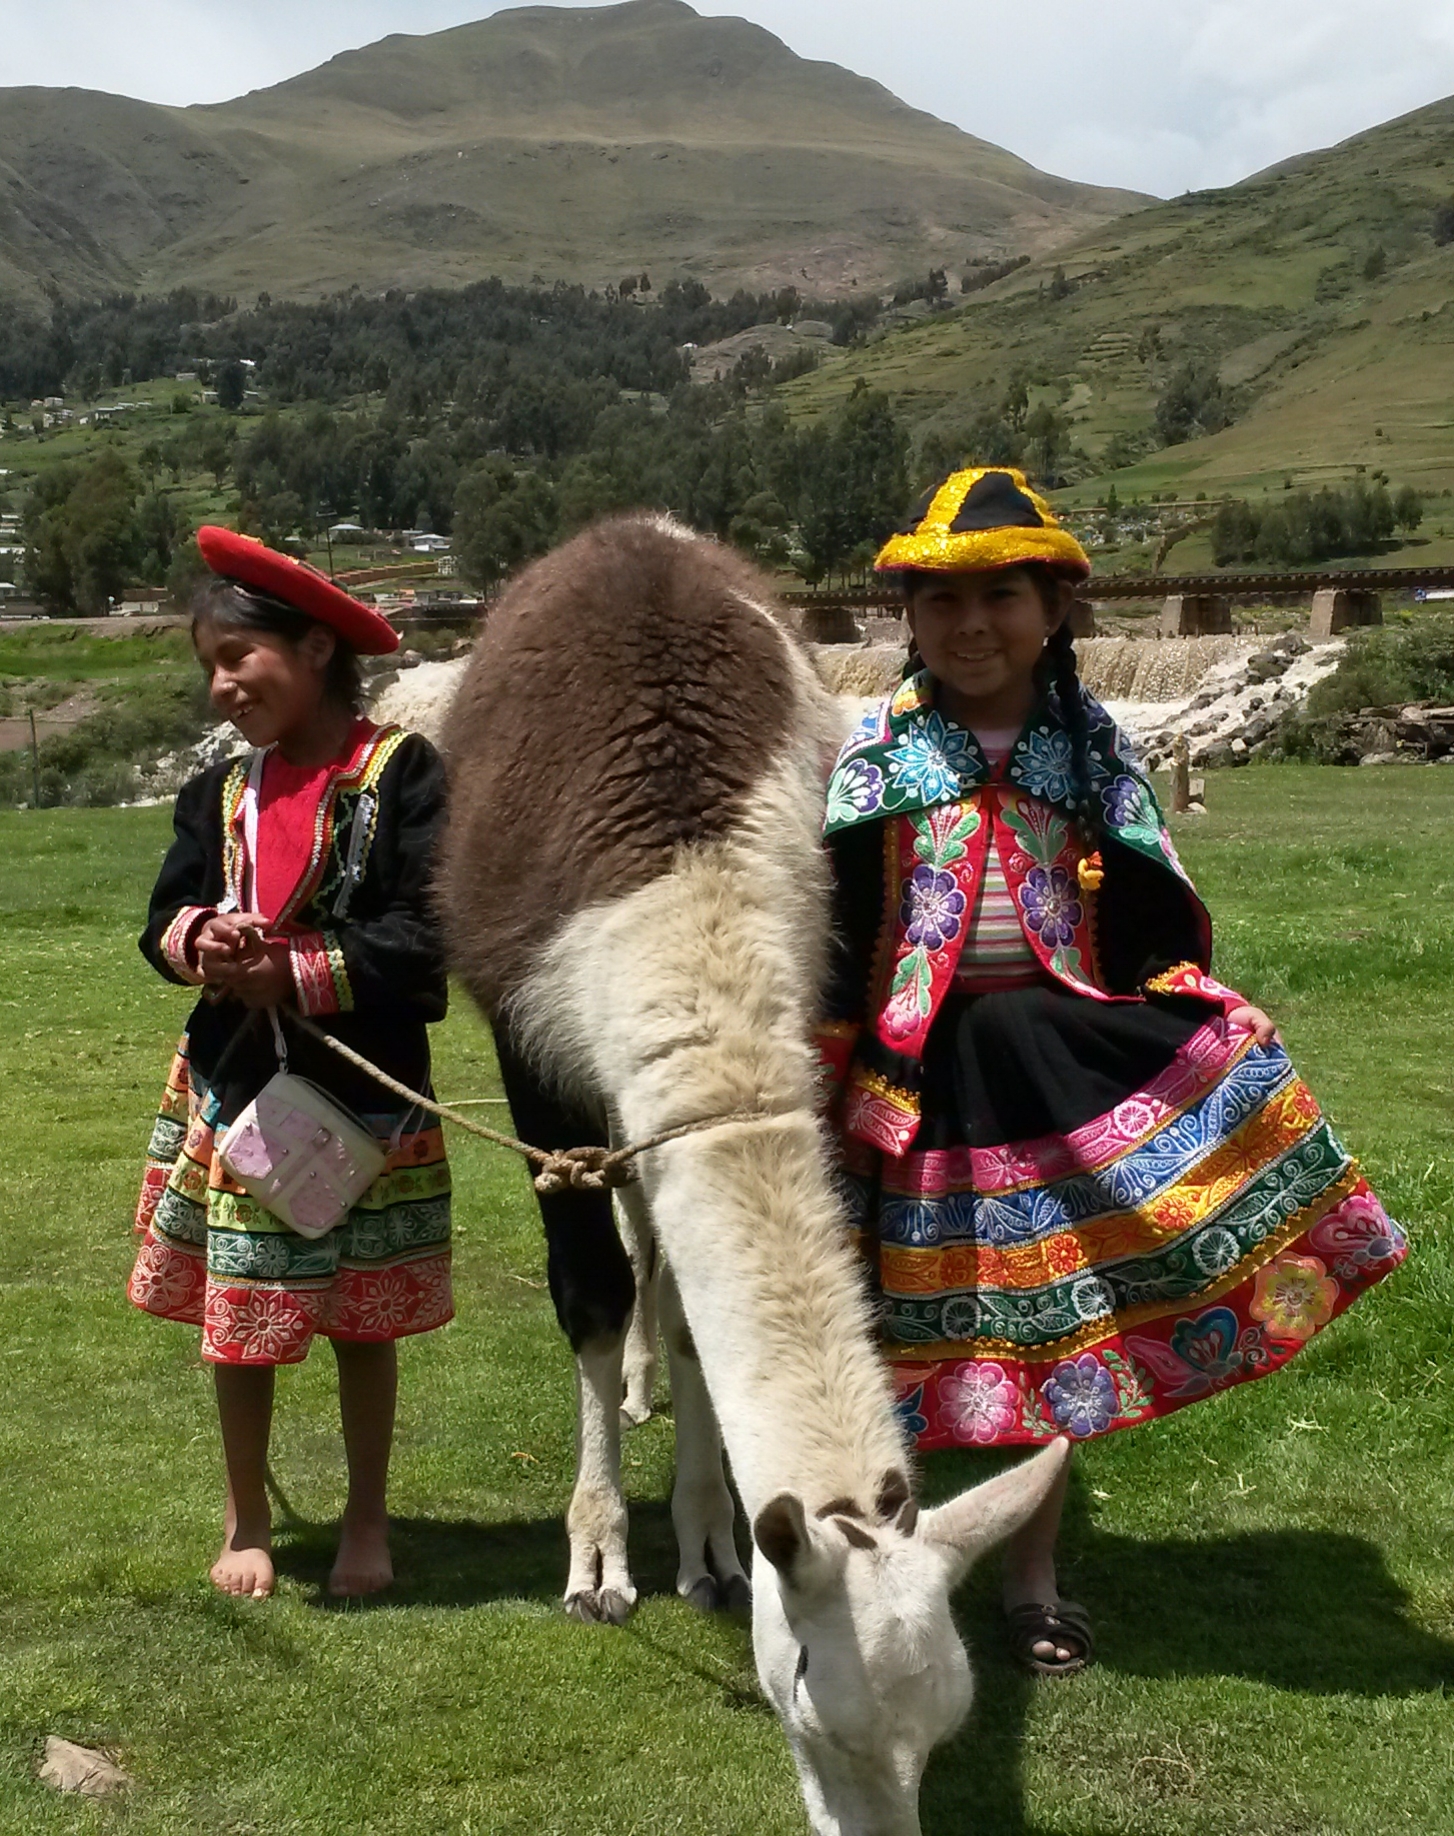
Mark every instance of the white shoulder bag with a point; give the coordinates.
(293, 1148)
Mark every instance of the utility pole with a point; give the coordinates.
(1180, 775)
(34, 763)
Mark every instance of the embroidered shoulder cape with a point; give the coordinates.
(364, 945)
(940, 806)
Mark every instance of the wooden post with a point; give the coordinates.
(1180, 775)
(34, 762)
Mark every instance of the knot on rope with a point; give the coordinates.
(583, 1169)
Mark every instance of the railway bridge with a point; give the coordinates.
(1192, 605)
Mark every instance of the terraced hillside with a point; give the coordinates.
(1317, 292)
(569, 143)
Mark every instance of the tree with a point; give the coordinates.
(1408, 508)
(1443, 224)
(231, 385)
(1113, 502)
(501, 519)
(1060, 287)
(1046, 433)
(1192, 403)
(82, 542)
(854, 480)
(213, 446)
(1376, 263)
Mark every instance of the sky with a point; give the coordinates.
(1161, 96)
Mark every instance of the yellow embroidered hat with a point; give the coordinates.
(985, 516)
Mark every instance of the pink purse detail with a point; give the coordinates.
(301, 1155)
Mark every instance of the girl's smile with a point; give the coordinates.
(273, 690)
(981, 634)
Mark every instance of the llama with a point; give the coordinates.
(635, 895)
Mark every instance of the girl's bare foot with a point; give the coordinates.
(363, 1565)
(245, 1565)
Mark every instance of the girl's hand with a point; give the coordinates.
(262, 979)
(1253, 1017)
(235, 953)
(228, 938)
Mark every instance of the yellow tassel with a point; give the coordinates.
(1090, 873)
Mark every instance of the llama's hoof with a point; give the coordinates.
(702, 1595)
(599, 1606)
(737, 1597)
(633, 1414)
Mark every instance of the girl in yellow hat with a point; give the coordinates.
(1091, 1184)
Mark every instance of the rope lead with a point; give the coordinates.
(577, 1169)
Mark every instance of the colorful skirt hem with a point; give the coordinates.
(1193, 1238)
(211, 1256)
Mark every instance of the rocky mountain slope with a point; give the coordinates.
(572, 143)
(1320, 294)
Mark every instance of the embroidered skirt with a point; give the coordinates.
(213, 1257)
(1110, 1211)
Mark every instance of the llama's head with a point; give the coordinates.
(856, 1648)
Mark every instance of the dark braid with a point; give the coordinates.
(909, 581)
(1058, 664)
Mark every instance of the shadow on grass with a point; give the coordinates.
(442, 1563)
(1309, 1612)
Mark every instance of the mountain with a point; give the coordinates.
(571, 143)
(1317, 291)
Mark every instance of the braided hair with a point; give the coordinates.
(1056, 670)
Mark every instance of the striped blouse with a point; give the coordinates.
(996, 952)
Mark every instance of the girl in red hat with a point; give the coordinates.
(297, 880)
(1091, 1184)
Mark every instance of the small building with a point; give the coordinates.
(429, 544)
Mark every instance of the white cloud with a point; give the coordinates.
(1159, 97)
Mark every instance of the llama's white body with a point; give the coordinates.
(690, 997)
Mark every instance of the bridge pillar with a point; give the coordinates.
(1195, 615)
(829, 625)
(1336, 609)
(1082, 618)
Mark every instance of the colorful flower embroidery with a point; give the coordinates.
(979, 1401)
(166, 1281)
(931, 908)
(929, 760)
(1357, 1235)
(856, 789)
(910, 1410)
(1204, 1353)
(1044, 765)
(1051, 905)
(265, 1327)
(1082, 1395)
(1294, 1296)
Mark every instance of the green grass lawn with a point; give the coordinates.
(1271, 1573)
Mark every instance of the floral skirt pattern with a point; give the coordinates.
(213, 1257)
(1195, 1236)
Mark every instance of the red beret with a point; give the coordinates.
(253, 564)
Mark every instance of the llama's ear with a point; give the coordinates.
(979, 1519)
(780, 1531)
(785, 1537)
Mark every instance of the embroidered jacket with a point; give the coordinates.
(364, 948)
(913, 809)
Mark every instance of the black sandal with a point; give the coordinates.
(1065, 1623)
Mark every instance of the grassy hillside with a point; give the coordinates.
(1316, 291)
(571, 143)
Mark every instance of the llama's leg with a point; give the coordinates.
(633, 1221)
(599, 1585)
(592, 1287)
(710, 1574)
